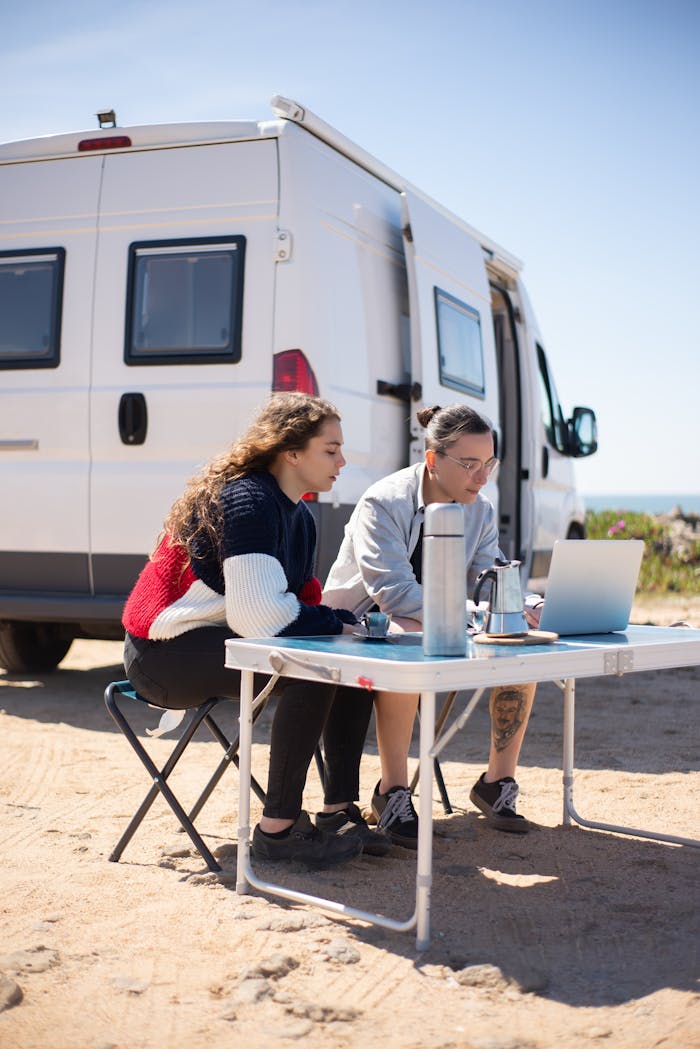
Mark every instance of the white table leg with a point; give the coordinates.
(425, 821)
(244, 761)
(570, 813)
(568, 756)
(246, 876)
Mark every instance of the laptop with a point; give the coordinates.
(590, 586)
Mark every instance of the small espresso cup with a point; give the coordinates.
(376, 623)
(479, 617)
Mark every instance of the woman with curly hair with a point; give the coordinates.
(235, 558)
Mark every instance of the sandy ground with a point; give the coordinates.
(566, 937)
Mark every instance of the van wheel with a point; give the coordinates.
(30, 647)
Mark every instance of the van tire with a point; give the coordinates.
(32, 647)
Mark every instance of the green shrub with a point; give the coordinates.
(667, 565)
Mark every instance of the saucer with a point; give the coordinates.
(532, 637)
(366, 637)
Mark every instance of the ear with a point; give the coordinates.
(291, 455)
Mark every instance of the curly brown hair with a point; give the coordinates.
(286, 423)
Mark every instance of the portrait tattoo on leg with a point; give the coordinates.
(506, 716)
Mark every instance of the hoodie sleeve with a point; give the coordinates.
(381, 553)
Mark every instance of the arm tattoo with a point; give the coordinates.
(507, 706)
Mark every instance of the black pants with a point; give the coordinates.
(189, 669)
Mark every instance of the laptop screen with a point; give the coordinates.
(590, 586)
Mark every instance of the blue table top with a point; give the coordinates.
(398, 664)
(408, 648)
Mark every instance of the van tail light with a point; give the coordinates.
(291, 372)
(86, 145)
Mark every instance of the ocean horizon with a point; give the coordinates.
(642, 503)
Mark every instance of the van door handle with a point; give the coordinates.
(402, 390)
(20, 444)
(545, 461)
(133, 418)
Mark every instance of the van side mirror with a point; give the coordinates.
(583, 433)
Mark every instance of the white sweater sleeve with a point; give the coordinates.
(258, 603)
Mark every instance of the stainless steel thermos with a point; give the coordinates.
(444, 580)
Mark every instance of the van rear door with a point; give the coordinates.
(183, 331)
(48, 229)
(452, 340)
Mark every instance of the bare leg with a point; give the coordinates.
(270, 825)
(394, 714)
(509, 707)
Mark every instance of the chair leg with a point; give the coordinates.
(439, 779)
(320, 765)
(230, 756)
(159, 777)
(444, 797)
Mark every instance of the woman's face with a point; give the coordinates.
(450, 481)
(316, 467)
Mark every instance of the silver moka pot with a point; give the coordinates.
(506, 616)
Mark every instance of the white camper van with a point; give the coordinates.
(156, 283)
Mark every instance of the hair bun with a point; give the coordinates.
(426, 414)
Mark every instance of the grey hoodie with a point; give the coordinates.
(373, 566)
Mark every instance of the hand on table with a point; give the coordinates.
(533, 615)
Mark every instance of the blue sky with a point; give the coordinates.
(567, 131)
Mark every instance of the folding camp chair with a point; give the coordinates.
(115, 694)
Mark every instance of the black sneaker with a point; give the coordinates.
(350, 822)
(497, 802)
(395, 814)
(306, 844)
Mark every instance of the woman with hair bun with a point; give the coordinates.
(379, 566)
(235, 558)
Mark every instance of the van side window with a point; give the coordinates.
(460, 349)
(184, 301)
(552, 414)
(31, 294)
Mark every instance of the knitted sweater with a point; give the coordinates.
(260, 584)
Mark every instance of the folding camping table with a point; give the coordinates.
(398, 665)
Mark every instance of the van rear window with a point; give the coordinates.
(461, 354)
(184, 301)
(31, 291)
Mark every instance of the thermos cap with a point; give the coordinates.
(444, 519)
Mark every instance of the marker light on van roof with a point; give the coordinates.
(291, 372)
(109, 142)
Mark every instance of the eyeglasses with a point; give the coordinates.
(475, 465)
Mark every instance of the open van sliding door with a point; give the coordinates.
(453, 355)
(514, 481)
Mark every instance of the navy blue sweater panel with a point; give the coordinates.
(258, 518)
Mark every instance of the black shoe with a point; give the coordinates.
(306, 844)
(497, 802)
(350, 822)
(395, 815)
